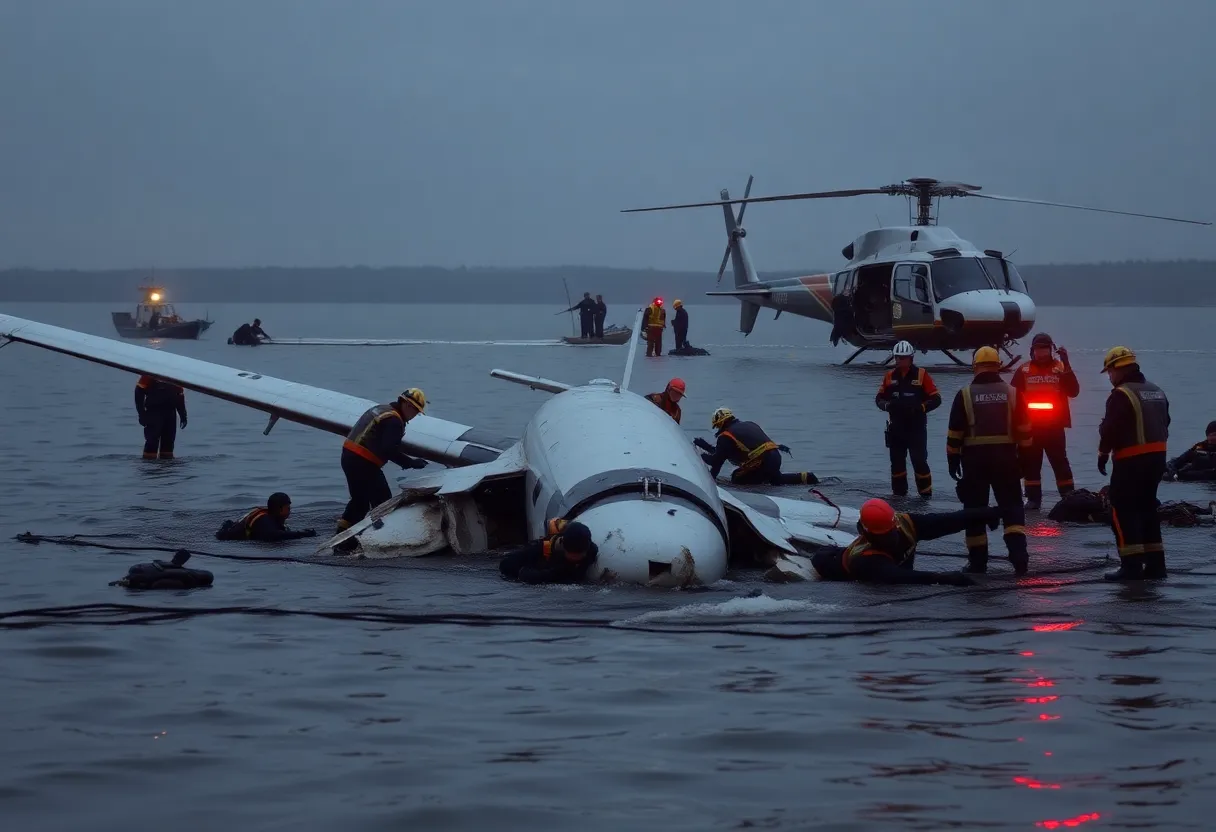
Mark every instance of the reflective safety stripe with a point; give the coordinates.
(550, 545)
(1150, 433)
(989, 408)
(1040, 406)
(363, 452)
(252, 517)
(752, 453)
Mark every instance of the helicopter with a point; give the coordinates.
(920, 283)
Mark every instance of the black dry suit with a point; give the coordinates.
(889, 558)
(544, 561)
(756, 457)
(159, 405)
(260, 525)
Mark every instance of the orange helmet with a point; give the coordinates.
(676, 384)
(877, 516)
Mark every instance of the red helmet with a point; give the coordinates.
(877, 516)
(676, 384)
(658, 301)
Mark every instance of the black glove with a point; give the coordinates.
(183, 423)
(955, 463)
(785, 449)
(956, 579)
(884, 405)
(309, 533)
(702, 444)
(1102, 459)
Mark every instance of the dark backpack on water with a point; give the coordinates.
(1081, 506)
(161, 575)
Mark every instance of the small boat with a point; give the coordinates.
(614, 335)
(156, 318)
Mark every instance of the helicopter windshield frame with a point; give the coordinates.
(1004, 274)
(955, 275)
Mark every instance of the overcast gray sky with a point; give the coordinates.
(511, 132)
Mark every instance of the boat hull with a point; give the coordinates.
(614, 337)
(125, 324)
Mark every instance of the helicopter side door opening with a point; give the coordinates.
(872, 300)
(912, 305)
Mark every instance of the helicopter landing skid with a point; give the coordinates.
(858, 352)
(955, 358)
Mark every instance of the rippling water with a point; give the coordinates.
(1054, 702)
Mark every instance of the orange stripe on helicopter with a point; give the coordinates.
(820, 287)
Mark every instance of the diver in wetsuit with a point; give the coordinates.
(563, 556)
(1196, 463)
(266, 525)
(885, 549)
(372, 442)
(756, 457)
(160, 405)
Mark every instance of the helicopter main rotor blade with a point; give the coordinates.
(748, 201)
(1083, 208)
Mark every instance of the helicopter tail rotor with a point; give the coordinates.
(734, 225)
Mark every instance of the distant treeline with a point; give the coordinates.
(1129, 283)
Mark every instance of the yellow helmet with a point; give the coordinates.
(1118, 357)
(415, 397)
(678, 303)
(721, 416)
(986, 355)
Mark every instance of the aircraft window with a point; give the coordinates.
(955, 275)
(912, 283)
(1004, 274)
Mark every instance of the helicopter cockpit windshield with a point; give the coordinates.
(1004, 274)
(955, 275)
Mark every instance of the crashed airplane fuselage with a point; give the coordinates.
(597, 453)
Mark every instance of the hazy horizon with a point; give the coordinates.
(313, 133)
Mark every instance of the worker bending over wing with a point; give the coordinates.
(885, 549)
(563, 556)
(266, 525)
(746, 446)
(373, 441)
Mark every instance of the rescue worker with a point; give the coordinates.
(885, 549)
(563, 556)
(1046, 384)
(906, 395)
(601, 312)
(1196, 463)
(656, 322)
(374, 440)
(266, 525)
(679, 324)
(161, 407)
(586, 315)
(745, 445)
(1134, 430)
(250, 336)
(669, 400)
(988, 425)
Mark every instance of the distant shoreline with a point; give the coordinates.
(1132, 283)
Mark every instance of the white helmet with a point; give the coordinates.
(903, 350)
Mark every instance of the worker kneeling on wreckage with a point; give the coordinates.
(885, 549)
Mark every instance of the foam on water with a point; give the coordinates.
(759, 606)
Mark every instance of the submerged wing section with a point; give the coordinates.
(438, 440)
(783, 522)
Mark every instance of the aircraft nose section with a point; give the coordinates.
(667, 543)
